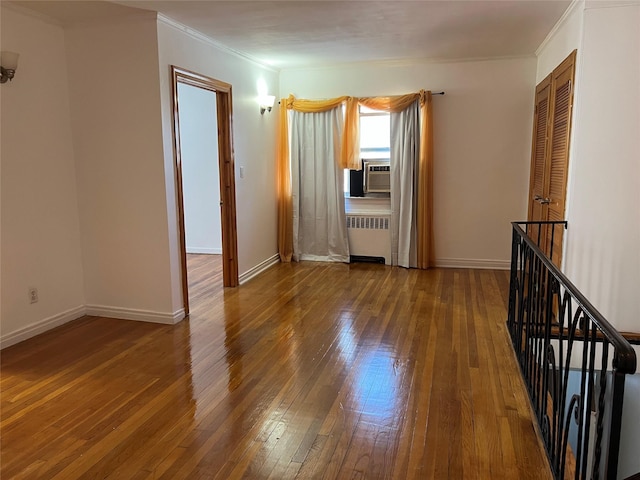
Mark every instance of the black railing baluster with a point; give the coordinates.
(547, 318)
(539, 340)
(592, 380)
(602, 394)
(530, 278)
(583, 385)
(539, 235)
(548, 348)
(616, 424)
(553, 234)
(513, 282)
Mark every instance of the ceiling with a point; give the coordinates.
(289, 34)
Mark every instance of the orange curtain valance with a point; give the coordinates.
(312, 106)
(393, 104)
(351, 144)
(350, 148)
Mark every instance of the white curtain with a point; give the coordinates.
(405, 149)
(319, 220)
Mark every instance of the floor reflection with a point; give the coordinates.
(375, 374)
(306, 371)
(347, 343)
(232, 342)
(113, 372)
(377, 387)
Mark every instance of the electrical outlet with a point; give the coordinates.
(33, 294)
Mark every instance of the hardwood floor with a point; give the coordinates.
(308, 371)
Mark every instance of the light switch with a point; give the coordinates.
(241, 172)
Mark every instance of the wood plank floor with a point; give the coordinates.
(310, 371)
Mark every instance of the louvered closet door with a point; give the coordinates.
(550, 154)
(537, 210)
(562, 91)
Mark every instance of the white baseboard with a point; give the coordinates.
(258, 269)
(41, 326)
(135, 314)
(205, 250)
(473, 263)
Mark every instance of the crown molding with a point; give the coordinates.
(600, 4)
(406, 62)
(574, 6)
(197, 35)
(131, 17)
(30, 13)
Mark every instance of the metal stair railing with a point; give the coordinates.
(573, 361)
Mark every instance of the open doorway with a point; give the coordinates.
(197, 114)
(205, 179)
(200, 177)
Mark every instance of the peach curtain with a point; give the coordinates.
(285, 201)
(391, 104)
(425, 247)
(350, 158)
(350, 154)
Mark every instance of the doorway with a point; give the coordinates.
(200, 178)
(206, 211)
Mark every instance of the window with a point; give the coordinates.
(375, 137)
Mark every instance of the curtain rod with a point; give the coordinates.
(432, 93)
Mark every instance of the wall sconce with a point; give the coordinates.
(266, 103)
(8, 65)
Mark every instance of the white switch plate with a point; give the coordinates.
(241, 172)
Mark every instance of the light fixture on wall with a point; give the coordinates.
(266, 103)
(8, 65)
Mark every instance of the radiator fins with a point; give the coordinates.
(368, 223)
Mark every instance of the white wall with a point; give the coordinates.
(88, 191)
(115, 105)
(601, 249)
(253, 137)
(200, 176)
(629, 463)
(602, 253)
(482, 139)
(40, 243)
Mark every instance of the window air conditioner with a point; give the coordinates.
(377, 177)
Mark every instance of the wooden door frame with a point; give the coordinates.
(226, 169)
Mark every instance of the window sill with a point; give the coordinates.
(380, 205)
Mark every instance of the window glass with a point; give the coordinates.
(347, 186)
(375, 137)
(366, 111)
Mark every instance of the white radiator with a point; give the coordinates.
(369, 236)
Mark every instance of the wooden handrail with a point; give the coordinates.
(634, 339)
